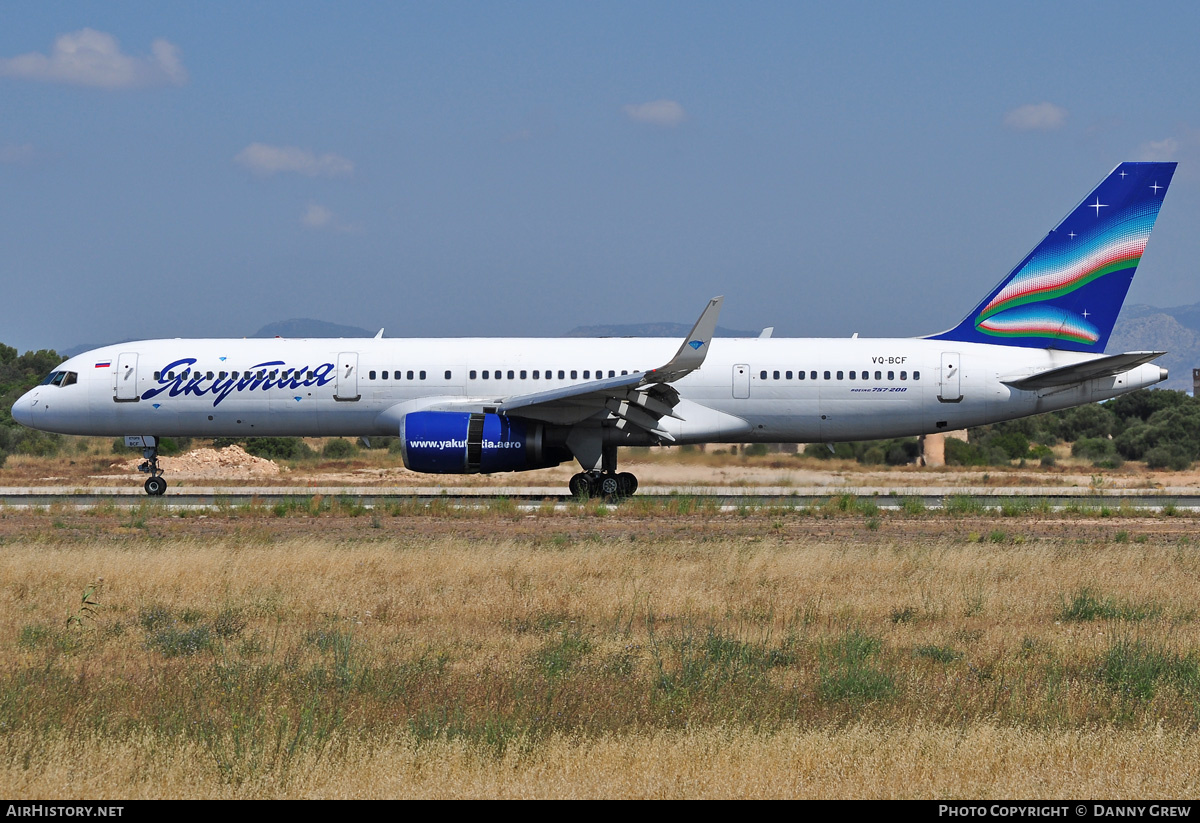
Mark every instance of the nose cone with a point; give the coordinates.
(22, 410)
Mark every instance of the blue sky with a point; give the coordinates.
(522, 168)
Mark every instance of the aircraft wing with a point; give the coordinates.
(638, 400)
(1088, 370)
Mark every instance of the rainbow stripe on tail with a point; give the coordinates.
(1068, 291)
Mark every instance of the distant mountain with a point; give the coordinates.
(650, 330)
(1174, 330)
(307, 327)
(82, 347)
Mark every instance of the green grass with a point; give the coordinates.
(1088, 604)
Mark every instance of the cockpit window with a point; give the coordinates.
(60, 378)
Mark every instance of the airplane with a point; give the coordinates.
(1034, 343)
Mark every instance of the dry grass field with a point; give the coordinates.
(642, 650)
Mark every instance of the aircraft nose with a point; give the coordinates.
(22, 410)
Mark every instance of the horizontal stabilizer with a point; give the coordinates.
(1088, 370)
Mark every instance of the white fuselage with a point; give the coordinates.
(746, 390)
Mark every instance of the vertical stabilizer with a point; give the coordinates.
(1068, 291)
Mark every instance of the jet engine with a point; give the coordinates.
(468, 443)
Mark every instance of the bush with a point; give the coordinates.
(962, 453)
(339, 448)
(1171, 457)
(1014, 444)
(1094, 448)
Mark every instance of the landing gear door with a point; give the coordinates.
(950, 382)
(741, 381)
(125, 390)
(347, 377)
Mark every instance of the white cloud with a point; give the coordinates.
(93, 58)
(263, 159)
(317, 217)
(1157, 150)
(1036, 117)
(656, 112)
(13, 153)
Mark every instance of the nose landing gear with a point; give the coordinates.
(155, 484)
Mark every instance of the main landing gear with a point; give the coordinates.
(155, 484)
(603, 484)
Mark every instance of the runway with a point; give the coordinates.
(723, 497)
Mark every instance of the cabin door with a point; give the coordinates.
(126, 389)
(347, 376)
(741, 381)
(950, 385)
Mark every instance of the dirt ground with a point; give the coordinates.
(91, 463)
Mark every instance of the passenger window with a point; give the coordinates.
(561, 374)
(762, 375)
(587, 374)
(221, 375)
(510, 374)
(878, 375)
(384, 375)
(812, 375)
(826, 375)
(853, 375)
(472, 374)
(800, 375)
(370, 375)
(310, 375)
(775, 375)
(410, 375)
(157, 375)
(612, 373)
(574, 374)
(623, 372)
(891, 375)
(524, 374)
(903, 375)
(839, 375)
(536, 372)
(916, 375)
(787, 375)
(447, 374)
(422, 375)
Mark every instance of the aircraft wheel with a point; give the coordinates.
(627, 482)
(155, 486)
(609, 486)
(580, 485)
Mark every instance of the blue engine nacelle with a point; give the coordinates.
(468, 443)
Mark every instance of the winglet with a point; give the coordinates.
(695, 346)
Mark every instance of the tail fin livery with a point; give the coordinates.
(1068, 291)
